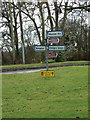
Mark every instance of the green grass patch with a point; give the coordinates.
(51, 62)
(31, 96)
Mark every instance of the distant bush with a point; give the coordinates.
(61, 57)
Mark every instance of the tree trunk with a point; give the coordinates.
(21, 29)
(43, 30)
(85, 43)
(89, 44)
(50, 17)
(16, 36)
(63, 24)
(42, 18)
(56, 15)
(12, 33)
(81, 39)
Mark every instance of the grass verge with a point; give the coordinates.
(31, 96)
(39, 64)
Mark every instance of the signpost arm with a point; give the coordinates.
(46, 52)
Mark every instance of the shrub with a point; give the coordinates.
(61, 57)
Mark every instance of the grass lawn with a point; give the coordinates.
(39, 64)
(31, 96)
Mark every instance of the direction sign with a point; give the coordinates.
(55, 33)
(52, 55)
(56, 47)
(47, 73)
(40, 48)
(53, 40)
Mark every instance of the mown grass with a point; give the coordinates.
(39, 64)
(31, 96)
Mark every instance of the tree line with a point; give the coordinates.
(25, 24)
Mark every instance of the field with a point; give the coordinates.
(31, 96)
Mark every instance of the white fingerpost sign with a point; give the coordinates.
(39, 48)
(56, 47)
(55, 34)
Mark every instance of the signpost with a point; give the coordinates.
(56, 47)
(51, 37)
(55, 34)
(52, 55)
(53, 40)
(39, 48)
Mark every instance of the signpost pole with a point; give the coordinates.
(51, 37)
(47, 60)
(46, 52)
(23, 57)
(23, 53)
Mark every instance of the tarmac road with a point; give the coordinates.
(21, 71)
(30, 70)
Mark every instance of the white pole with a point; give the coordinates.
(46, 52)
(23, 52)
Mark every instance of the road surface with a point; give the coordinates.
(22, 71)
